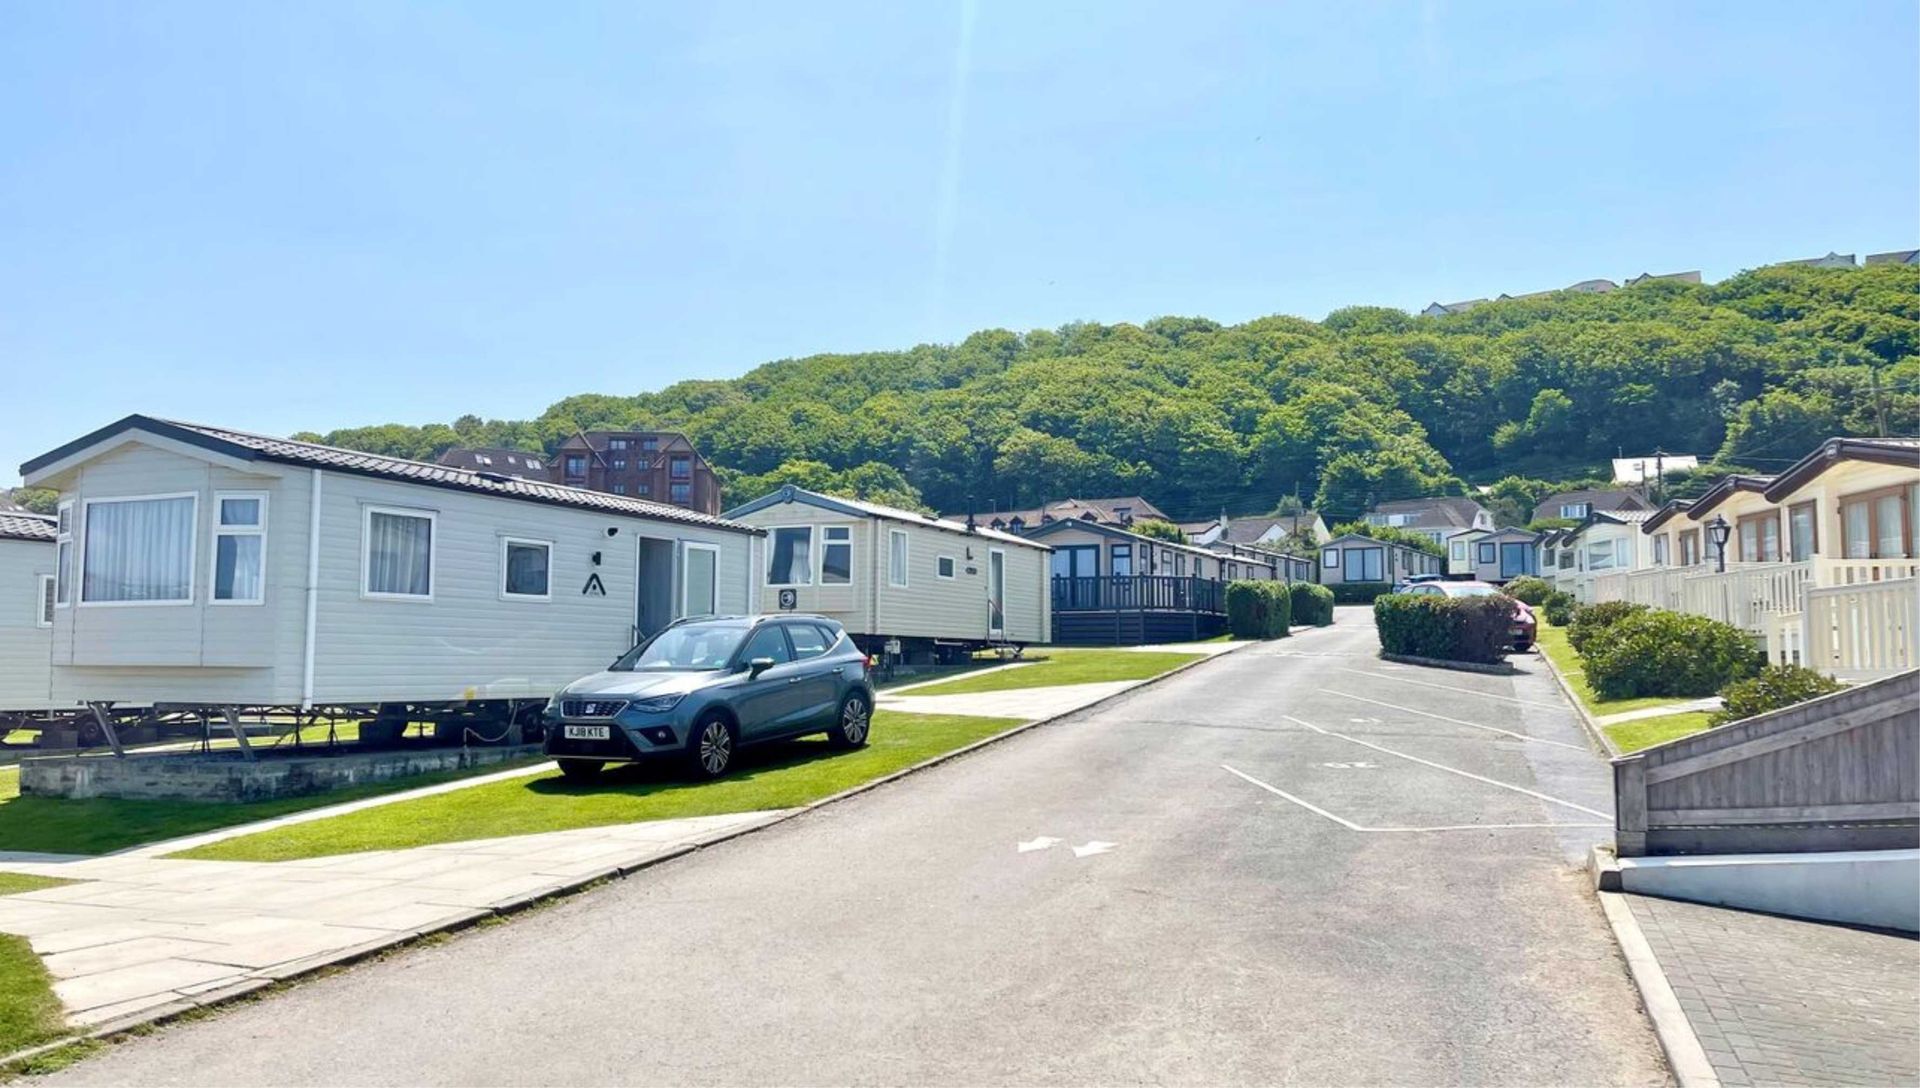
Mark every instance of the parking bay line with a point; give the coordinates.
(1455, 721)
(1351, 826)
(1448, 687)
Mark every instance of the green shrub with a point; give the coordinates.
(1358, 592)
(1595, 618)
(1448, 628)
(1312, 604)
(1533, 591)
(1655, 652)
(1258, 609)
(1776, 687)
(1559, 608)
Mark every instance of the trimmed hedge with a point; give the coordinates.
(1529, 590)
(1656, 652)
(1449, 628)
(1258, 609)
(1559, 608)
(1775, 688)
(1358, 592)
(1312, 604)
(1592, 619)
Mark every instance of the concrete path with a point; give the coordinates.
(1660, 711)
(142, 935)
(1274, 868)
(1781, 1001)
(1024, 703)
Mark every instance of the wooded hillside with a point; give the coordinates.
(1370, 402)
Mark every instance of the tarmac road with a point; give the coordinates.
(1323, 869)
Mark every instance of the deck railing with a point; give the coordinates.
(1138, 592)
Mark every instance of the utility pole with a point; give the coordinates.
(1659, 474)
(1879, 402)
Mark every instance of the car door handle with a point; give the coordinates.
(839, 669)
(793, 679)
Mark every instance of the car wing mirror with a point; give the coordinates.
(759, 665)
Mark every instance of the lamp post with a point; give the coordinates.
(1719, 530)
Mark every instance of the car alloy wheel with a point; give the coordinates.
(716, 747)
(855, 720)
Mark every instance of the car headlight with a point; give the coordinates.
(657, 704)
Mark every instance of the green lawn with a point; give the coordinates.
(1553, 643)
(100, 826)
(29, 1012)
(1647, 732)
(779, 776)
(1051, 668)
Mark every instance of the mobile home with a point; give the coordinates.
(212, 567)
(1354, 558)
(27, 558)
(1112, 586)
(937, 587)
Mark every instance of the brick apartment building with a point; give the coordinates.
(658, 465)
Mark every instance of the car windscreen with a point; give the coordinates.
(1472, 591)
(696, 647)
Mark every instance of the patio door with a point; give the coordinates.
(1513, 560)
(996, 592)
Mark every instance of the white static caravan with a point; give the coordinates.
(936, 585)
(213, 567)
(27, 558)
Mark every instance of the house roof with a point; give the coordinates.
(1887, 451)
(1599, 286)
(1511, 532)
(1104, 529)
(1372, 541)
(1193, 528)
(1679, 277)
(1595, 498)
(254, 447)
(1455, 307)
(1084, 509)
(1896, 256)
(495, 459)
(1668, 511)
(1723, 489)
(862, 508)
(1249, 530)
(1437, 512)
(26, 527)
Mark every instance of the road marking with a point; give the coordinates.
(1456, 721)
(1040, 843)
(1450, 687)
(1361, 765)
(1092, 848)
(1351, 826)
(1451, 770)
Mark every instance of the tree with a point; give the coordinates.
(1159, 530)
(40, 500)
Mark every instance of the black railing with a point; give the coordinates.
(1142, 592)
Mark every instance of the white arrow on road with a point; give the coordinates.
(1040, 843)
(1094, 847)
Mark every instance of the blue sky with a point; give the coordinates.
(283, 217)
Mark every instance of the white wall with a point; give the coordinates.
(25, 674)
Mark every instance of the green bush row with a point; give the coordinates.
(1358, 592)
(1589, 621)
(1559, 608)
(1312, 604)
(1258, 609)
(1656, 652)
(1776, 687)
(1527, 588)
(1449, 628)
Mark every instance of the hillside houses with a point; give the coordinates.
(1435, 518)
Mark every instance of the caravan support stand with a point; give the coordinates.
(105, 720)
(232, 715)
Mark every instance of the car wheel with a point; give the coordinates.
(710, 749)
(855, 722)
(580, 770)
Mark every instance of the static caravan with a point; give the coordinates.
(1356, 558)
(27, 558)
(938, 587)
(1460, 552)
(1503, 555)
(215, 568)
(1114, 587)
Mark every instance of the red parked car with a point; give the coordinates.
(1524, 625)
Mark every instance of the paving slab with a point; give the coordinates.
(1782, 1001)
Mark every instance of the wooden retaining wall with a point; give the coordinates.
(1837, 773)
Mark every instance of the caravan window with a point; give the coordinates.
(836, 555)
(792, 556)
(43, 616)
(398, 554)
(525, 569)
(138, 551)
(239, 547)
(897, 557)
(63, 557)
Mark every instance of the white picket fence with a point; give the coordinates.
(1854, 618)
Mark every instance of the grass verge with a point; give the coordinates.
(57, 825)
(29, 1012)
(1647, 732)
(1056, 667)
(1553, 643)
(775, 776)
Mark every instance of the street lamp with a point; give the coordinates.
(1719, 530)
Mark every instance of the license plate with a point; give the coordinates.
(586, 732)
